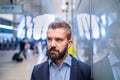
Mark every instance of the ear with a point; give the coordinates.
(69, 43)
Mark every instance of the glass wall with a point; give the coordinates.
(98, 26)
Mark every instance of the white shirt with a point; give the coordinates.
(115, 64)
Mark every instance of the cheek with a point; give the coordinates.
(48, 46)
(63, 47)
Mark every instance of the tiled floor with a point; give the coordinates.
(10, 70)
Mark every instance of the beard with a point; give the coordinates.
(55, 55)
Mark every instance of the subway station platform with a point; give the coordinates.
(10, 70)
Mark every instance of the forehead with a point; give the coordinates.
(60, 32)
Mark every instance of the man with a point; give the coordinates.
(60, 65)
(108, 68)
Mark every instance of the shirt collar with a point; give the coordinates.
(66, 61)
(113, 59)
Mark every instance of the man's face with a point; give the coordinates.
(57, 43)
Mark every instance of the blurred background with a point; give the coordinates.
(95, 32)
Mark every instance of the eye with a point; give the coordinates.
(59, 40)
(49, 39)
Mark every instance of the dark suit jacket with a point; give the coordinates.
(79, 71)
(102, 70)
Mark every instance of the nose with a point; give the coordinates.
(53, 43)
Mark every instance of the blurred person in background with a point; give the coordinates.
(24, 45)
(21, 55)
(33, 46)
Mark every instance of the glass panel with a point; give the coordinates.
(106, 58)
(98, 44)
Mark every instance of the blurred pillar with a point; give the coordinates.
(14, 26)
(91, 39)
(32, 27)
(25, 27)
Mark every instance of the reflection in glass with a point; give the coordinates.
(104, 20)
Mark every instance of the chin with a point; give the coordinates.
(54, 58)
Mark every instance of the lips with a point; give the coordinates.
(53, 51)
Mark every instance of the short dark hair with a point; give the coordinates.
(61, 24)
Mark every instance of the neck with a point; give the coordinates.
(60, 61)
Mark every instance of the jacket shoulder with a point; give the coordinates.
(80, 63)
(83, 69)
(40, 66)
(40, 71)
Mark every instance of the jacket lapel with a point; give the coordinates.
(74, 70)
(45, 72)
